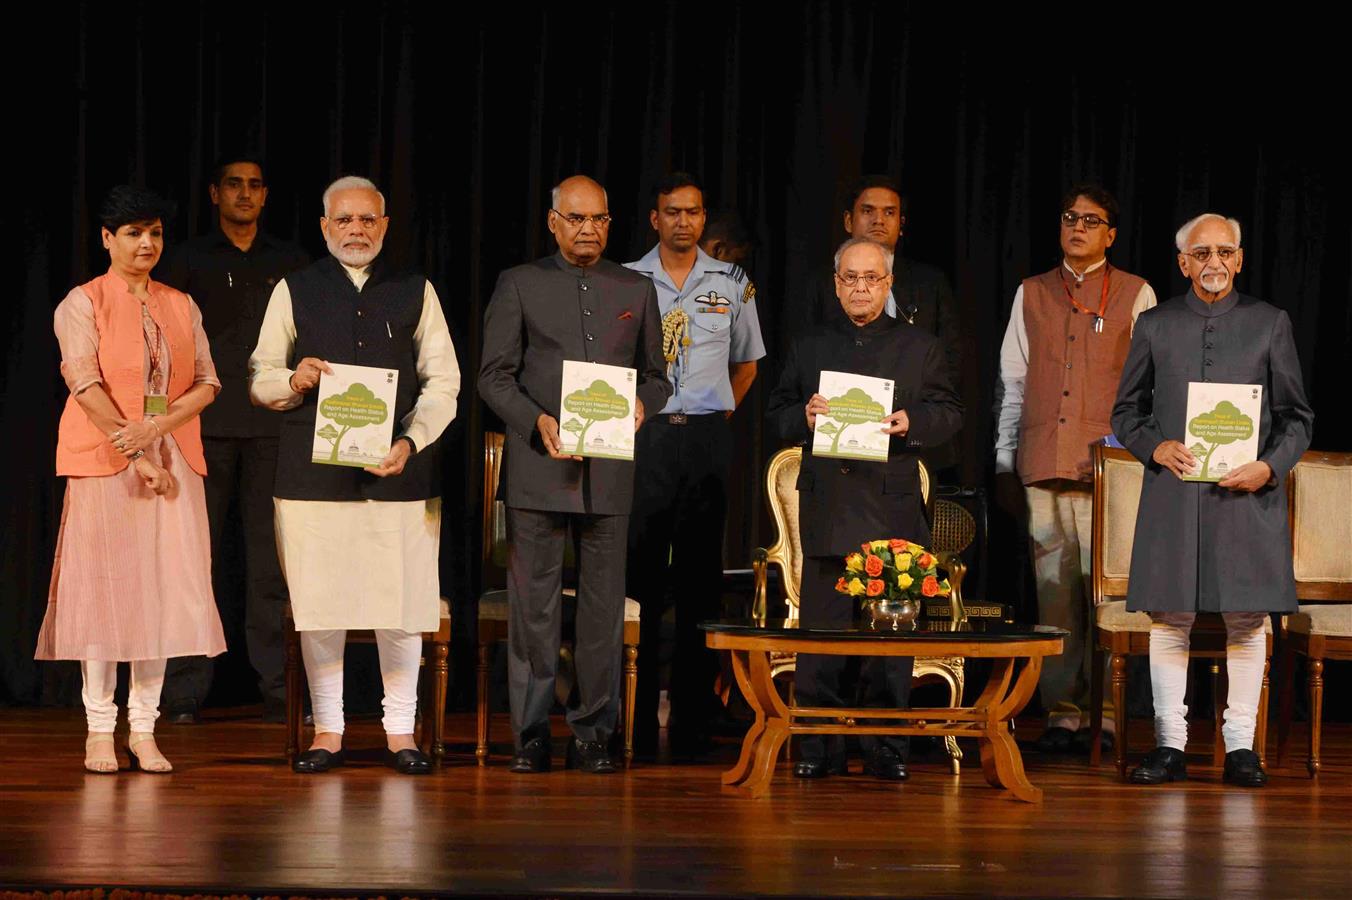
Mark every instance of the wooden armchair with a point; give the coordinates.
(493, 614)
(1117, 494)
(1320, 494)
(781, 479)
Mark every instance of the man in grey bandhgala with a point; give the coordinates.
(572, 305)
(1210, 547)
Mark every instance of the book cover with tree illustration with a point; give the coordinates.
(853, 430)
(1222, 427)
(354, 422)
(596, 410)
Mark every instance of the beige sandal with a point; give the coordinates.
(96, 759)
(150, 759)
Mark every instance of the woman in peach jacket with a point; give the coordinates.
(132, 576)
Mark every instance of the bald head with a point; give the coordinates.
(580, 219)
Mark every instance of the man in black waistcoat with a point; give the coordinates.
(359, 546)
(920, 295)
(230, 273)
(843, 503)
(573, 305)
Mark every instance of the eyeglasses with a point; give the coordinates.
(1204, 254)
(574, 220)
(872, 279)
(367, 222)
(1091, 221)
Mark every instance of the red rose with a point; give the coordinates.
(930, 586)
(897, 546)
(875, 587)
(925, 560)
(867, 548)
(873, 565)
(840, 586)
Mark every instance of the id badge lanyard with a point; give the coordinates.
(156, 390)
(1103, 298)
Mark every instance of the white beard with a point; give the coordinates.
(356, 257)
(1216, 281)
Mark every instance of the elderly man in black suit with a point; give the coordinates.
(573, 305)
(844, 503)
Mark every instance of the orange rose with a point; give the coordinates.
(930, 586)
(925, 560)
(897, 546)
(875, 587)
(873, 566)
(840, 586)
(868, 548)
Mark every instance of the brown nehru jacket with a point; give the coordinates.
(1072, 369)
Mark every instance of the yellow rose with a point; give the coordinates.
(916, 548)
(904, 562)
(904, 581)
(854, 562)
(878, 545)
(856, 587)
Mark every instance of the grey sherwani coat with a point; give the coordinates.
(1199, 547)
(541, 314)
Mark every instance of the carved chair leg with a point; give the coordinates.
(481, 693)
(1261, 726)
(440, 677)
(1316, 712)
(1118, 663)
(1219, 692)
(630, 696)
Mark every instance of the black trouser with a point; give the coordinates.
(676, 546)
(535, 541)
(879, 681)
(240, 469)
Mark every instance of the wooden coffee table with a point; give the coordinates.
(1006, 693)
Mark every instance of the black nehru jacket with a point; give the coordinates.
(373, 327)
(232, 286)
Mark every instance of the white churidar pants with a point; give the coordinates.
(143, 694)
(1245, 654)
(400, 653)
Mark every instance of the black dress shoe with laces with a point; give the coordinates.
(314, 761)
(533, 757)
(1160, 765)
(410, 761)
(1243, 768)
(884, 763)
(819, 768)
(590, 756)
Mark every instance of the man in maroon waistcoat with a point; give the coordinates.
(1063, 350)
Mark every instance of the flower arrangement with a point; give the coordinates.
(890, 576)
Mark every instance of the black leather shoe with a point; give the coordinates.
(1160, 765)
(182, 712)
(590, 756)
(1055, 740)
(533, 757)
(409, 762)
(314, 761)
(1243, 768)
(819, 768)
(884, 763)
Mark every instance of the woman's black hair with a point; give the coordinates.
(126, 204)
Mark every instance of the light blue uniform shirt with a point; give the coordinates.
(723, 329)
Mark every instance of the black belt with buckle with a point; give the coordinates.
(687, 418)
(677, 419)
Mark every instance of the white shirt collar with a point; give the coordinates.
(1078, 276)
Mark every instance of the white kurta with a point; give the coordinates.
(362, 563)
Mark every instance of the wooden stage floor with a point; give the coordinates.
(233, 818)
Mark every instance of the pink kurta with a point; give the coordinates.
(132, 575)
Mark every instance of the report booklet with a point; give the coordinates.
(596, 410)
(354, 422)
(853, 429)
(1222, 427)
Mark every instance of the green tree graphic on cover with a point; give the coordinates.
(597, 403)
(854, 407)
(356, 407)
(1223, 425)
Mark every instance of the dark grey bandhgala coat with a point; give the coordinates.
(1199, 547)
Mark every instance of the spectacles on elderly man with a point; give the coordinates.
(367, 222)
(576, 220)
(872, 279)
(1071, 219)
(1204, 254)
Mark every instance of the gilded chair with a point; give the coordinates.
(431, 688)
(1320, 495)
(1121, 634)
(781, 480)
(493, 615)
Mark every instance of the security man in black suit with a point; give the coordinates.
(842, 504)
(570, 306)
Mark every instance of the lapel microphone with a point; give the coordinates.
(909, 312)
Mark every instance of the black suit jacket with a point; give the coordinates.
(843, 503)
(541, 314)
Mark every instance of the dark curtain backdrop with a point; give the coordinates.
(466, 116)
